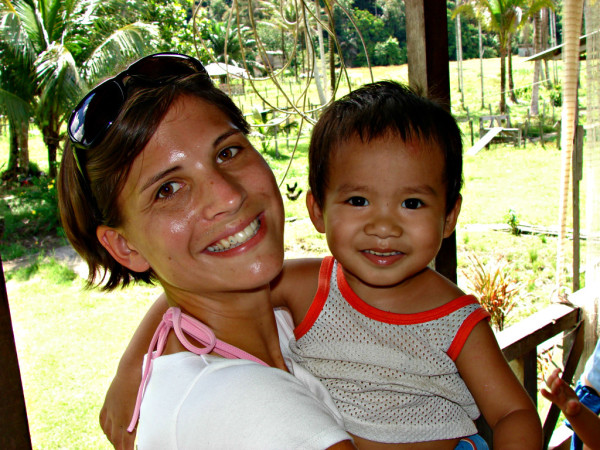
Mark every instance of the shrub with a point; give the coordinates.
(512, 219)
(389, 53)
(28, 211)
(495, 289)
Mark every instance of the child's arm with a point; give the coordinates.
(499, 395)
(585, 423)
(119, 402)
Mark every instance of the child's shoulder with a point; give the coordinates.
(438, 289)
(296, 286)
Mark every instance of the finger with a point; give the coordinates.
(548, 395)
(573, 407)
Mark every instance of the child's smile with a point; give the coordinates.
(385, 210)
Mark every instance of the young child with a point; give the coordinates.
(580, 406)
(407, 357)
(405, 354)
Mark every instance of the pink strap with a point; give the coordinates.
(184, 324)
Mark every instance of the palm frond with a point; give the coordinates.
(59, 83)
(119, 48)
(14, 107)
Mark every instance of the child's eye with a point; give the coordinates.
(358, 201)
(168, 189)
(227, 154)
(412, 203)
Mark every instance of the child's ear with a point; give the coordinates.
(315, 212)
(120, 249)
(452, 217)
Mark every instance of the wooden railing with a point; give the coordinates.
(520, 342)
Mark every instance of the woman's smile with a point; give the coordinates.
(236, 239)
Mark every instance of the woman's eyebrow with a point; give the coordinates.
(159, 176)
(225, 135)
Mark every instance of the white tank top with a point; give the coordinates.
(392, 376)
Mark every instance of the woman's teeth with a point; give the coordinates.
(237, 239)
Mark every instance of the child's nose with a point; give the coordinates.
(383, 225)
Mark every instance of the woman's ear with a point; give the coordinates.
(121, 250)
(452, 217)
(315, 212)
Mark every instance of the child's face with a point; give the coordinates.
(385, 209)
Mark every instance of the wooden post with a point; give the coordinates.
(14, 428)
(577, 177)
(429, 73)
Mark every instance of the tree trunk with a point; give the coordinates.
(23, 131)
(51, 139)
(13, 150)
(502, 79)
(572, 17)
(511, 82)
(332, 43)
(320, 61)
(18, 154)
(459, 60)
(544, 38)
(481, 64)
(537, 45)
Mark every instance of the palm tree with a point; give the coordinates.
(572, 17)
(503, 18)
(539, 24)
(65, 45)
(16, 97)
(226, 42)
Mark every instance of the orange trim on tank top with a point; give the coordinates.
(396, 318)
(319, 300)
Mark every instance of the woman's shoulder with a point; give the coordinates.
(233, 401)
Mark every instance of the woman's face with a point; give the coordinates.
(201, 205)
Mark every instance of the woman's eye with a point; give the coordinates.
(412, 203)
(227, 154)
(358, 201)
(168, 189)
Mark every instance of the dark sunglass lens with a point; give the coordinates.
(95, 113)
(166, 65)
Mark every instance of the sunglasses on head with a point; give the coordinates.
(94, 115)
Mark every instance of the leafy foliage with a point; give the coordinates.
(512, 219)
(495, 289)
(29, 210)
(58, 48)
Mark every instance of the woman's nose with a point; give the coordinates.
(223, 195)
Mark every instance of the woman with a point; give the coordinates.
(160, 183)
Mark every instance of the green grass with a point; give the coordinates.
(69, 342)
(70, 339)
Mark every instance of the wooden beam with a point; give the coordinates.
(429, 74)
(524, 336)
(14, 428)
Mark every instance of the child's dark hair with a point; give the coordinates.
(374, 110)
(87, 201)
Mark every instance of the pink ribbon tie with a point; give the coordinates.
(183, 324)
